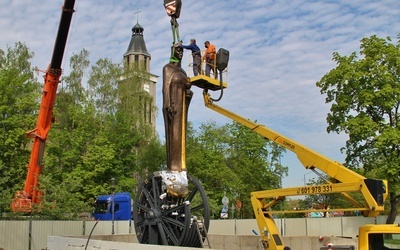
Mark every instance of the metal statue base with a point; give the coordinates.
(164, 219)
(175, 182)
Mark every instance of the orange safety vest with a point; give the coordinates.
(210, 52)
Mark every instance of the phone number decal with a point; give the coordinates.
(315, 189)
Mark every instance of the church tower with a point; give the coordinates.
(137, 54)
(137, 51)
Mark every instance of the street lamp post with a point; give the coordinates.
(112, 204)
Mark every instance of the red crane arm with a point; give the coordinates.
(24, 200)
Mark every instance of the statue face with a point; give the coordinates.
(178, 52)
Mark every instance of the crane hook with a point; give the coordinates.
(173, 8)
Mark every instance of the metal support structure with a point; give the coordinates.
(113, 204)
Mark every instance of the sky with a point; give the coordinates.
(278, 50)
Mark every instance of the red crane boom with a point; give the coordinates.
(24, 200)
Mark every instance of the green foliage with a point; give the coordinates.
(225, 158)
(205, 160)
(19, 91)
(152, 158)
(97, 136)
(102, 86)
(103, 129)
(99, 131)
(63, 200)
(364, 93)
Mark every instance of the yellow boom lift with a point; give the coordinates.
(374, 192)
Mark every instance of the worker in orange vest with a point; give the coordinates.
(209, 57)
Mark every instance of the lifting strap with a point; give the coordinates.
(175, 31)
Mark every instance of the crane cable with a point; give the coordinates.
(173, 9)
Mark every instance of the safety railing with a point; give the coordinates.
(202, 68)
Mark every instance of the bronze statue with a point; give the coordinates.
(176, 99)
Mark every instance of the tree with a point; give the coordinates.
(99, 133)
(365, 94)
(73, 125)
(62, 180)
(19, 91)
(225, 158)
(152, 158)
(102, 87)
(205, 161)
(253, 158)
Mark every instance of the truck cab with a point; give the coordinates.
(379, 237)
(122, 207)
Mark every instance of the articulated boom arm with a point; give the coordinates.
(307, 157)
(23, 201)
(374, 191)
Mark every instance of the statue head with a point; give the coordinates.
(176, 53)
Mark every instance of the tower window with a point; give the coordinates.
(144, 63)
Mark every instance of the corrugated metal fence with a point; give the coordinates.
(32, 235)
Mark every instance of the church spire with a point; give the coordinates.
(137, 50)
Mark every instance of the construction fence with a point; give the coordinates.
(32, 234)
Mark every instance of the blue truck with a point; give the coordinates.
(122, 207)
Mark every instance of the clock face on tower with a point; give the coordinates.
(146, 87)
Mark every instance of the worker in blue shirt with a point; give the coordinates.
(196, 55)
